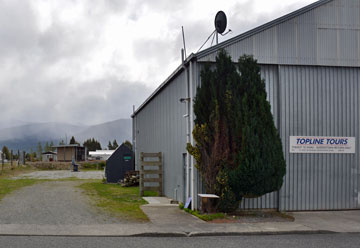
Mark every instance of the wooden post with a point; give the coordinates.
(160, 175)
(11, 159)
(2, 161)
(24, 157)
(141, 174)
(18, 158)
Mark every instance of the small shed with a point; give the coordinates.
(66, 153)
(121, 161)
(49, 156)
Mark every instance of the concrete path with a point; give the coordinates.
(336, 221)
(62, 174)
(162, 213)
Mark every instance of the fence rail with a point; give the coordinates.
(147, 168)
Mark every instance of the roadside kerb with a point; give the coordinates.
(139, 230)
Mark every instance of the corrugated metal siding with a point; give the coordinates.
(320, 101)
(314, 101)
(161, 127)
(327, 36)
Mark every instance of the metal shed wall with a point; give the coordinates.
(328, 35)
(161, 127)
(320, 101)
(314, 101)
(117, 165)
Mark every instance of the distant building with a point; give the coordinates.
(121, 161)
(49, 156)
(100, 154)
(65, 153)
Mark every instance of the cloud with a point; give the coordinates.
(90, 61)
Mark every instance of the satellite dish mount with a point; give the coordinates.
(220, 27)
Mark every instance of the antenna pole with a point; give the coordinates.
(183, 35)
(182, 57)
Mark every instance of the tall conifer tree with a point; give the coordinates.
(238, 150)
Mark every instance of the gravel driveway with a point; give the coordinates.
(51, 203)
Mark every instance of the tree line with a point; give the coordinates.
(91, 144)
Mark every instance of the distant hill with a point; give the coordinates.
(25, 137)
(120, 130)
(12, 123)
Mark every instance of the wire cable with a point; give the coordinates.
(213, 39)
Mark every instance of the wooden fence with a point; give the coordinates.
(147, 168)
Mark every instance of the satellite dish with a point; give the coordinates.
(220, 22)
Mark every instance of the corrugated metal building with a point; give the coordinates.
(310, 60)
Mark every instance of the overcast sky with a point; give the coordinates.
(89, 61)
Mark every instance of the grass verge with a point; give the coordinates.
(205, 217)
(123, 202)
(7, 185)
(15, 171)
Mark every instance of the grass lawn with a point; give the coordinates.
(8, 185)
(123, 202)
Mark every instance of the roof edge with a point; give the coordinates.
(235, 39)
(262, 28)
(179, 69)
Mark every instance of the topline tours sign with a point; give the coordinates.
(318, 144)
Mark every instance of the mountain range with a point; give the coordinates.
(20, 135)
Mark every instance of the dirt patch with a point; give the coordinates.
(254, 217)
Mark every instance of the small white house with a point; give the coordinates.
(49, 156)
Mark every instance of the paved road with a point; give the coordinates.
(51, 203)
(270, 241)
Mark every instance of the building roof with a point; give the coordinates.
(49, 153)
(121, 147)
(262, 27)
(233, 40)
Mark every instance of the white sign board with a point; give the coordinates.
(318, 144)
